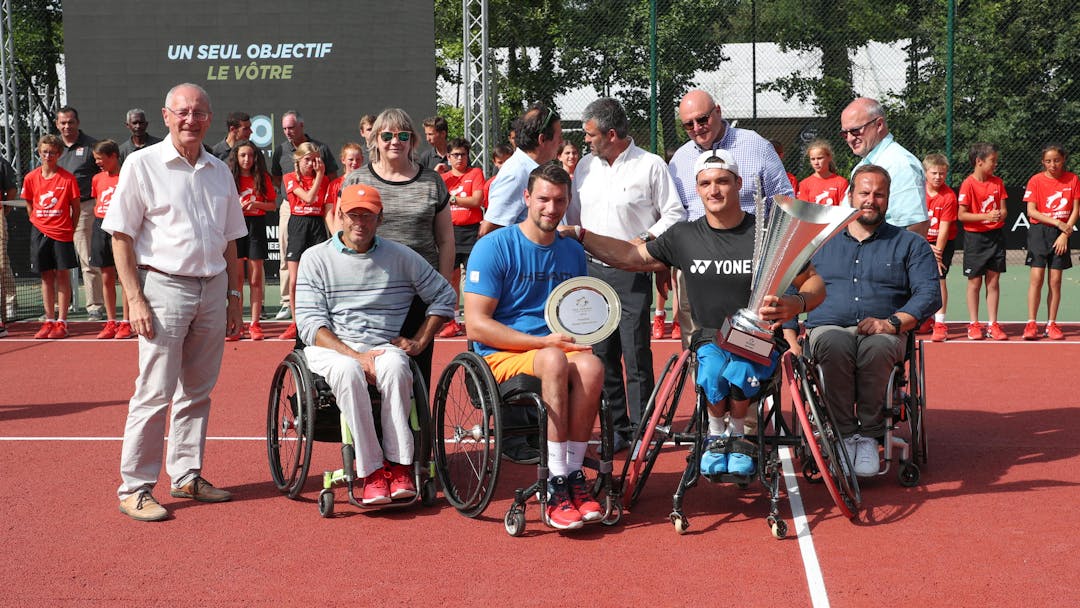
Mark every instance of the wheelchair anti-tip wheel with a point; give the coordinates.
(290, 420)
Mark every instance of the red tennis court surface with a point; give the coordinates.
(991, 523)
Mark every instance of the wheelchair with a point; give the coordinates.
(302, 409)
(468, 432)
(824, 455)
(657, 428)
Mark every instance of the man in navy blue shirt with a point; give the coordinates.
(880, 283)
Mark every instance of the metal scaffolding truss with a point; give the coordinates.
(477, 94)
(9, 99)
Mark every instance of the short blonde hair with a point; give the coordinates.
(391, 119)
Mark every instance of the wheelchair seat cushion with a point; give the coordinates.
(519, 385)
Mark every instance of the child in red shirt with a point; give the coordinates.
(107, 157)
(1052, 212)
(352, 158)
(465, 184)
(52, 199)
(257, 196)
(942, 208)
(780, 152)
(823, 186)
(982, 210)
(305, 191)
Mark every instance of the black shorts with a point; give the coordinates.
(101, 255)
(464, 239)
(946, 258)
(984, 251)
(253, 246)
(1040, 245)
(48, 254)
(305, 231)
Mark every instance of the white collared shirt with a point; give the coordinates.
(180, 217)
(632, 195)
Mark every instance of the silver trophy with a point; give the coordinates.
(794, 232)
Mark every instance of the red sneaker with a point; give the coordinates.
(46, 329)
(996, 332)
(1054, 332)
(108, 332)
(235, 337)
(376, 488)
(59, 331)
(124, 331)
(941, 332)
(450, 330)
(561, 513)
(583, 499)
(289, 333)
(975, 331)
(676, 330)
(658, 326)
(401, 482)
(255, 331)
(1031, 331)
(926, 327)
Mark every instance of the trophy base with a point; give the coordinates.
(751, 344)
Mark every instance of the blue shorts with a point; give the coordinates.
(721, 374)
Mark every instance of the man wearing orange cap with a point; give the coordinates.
(352, 294)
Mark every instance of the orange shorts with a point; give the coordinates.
(505, 364)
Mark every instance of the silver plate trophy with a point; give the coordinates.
(583, 307)
(794, 232)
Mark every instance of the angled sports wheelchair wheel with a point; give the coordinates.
(820, 437)
(466, 428)
(290, 418)
(918, 406)
(655, 427)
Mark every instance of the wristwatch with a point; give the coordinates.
(645, 237)
(233, 292)
(895, 322)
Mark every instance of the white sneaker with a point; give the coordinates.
(283, 314)
(867, 463)
(851, 446)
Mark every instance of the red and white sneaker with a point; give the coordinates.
(46, 329)
(658, 326)
(377, 488)
(289, 333)
(108, 332)
(996, 332)
(561, 513)
(583, 500)
(450, 330)
(1054, 332)
(926, 327)
(941, 333)
(255, 331)
(975, 331)
(59, 331)
(1031, 331)
(401, 482)
(676, 330)
(239, 335)
(124, 331)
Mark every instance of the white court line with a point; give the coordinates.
(819, 598)
(118, 438)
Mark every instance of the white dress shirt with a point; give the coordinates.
(180, 217)
(632, 195)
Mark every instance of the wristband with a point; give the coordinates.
(803, 300)
(233, 292)
(581, 234)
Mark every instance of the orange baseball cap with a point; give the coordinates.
(360, 196)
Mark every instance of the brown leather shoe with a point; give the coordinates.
(143, 507)
(201, 490)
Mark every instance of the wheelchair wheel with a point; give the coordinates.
(290, 420)
(466, 433)
(657, 418)
(420, 422)
(821, 438)
(918, 404)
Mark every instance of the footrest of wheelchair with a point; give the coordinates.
(740, 480)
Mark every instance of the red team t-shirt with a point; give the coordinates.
(465, 185)
(983, 197)
(293, 181)
(332, 193)
(1053, 197)
(102, 188)
(50, 203)
(246, 190)
(942, 207)
(823, 191)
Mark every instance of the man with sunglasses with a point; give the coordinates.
(539, 136)
(281, 162)
(702, 118)
(863, 127)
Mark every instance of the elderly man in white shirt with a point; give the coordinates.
(174, 219)
(622, 191)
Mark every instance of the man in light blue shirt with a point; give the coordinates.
(863, 126)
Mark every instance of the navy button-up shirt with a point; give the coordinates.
(892, 271)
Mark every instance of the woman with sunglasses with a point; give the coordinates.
(416, 213)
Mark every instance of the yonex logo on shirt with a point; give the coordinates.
(725, 267)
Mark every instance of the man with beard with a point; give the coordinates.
(881, 282)
(510, 275)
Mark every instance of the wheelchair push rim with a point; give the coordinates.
(290, 426)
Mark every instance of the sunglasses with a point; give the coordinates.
(401, 135)
(857, 131)
(700, 121)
